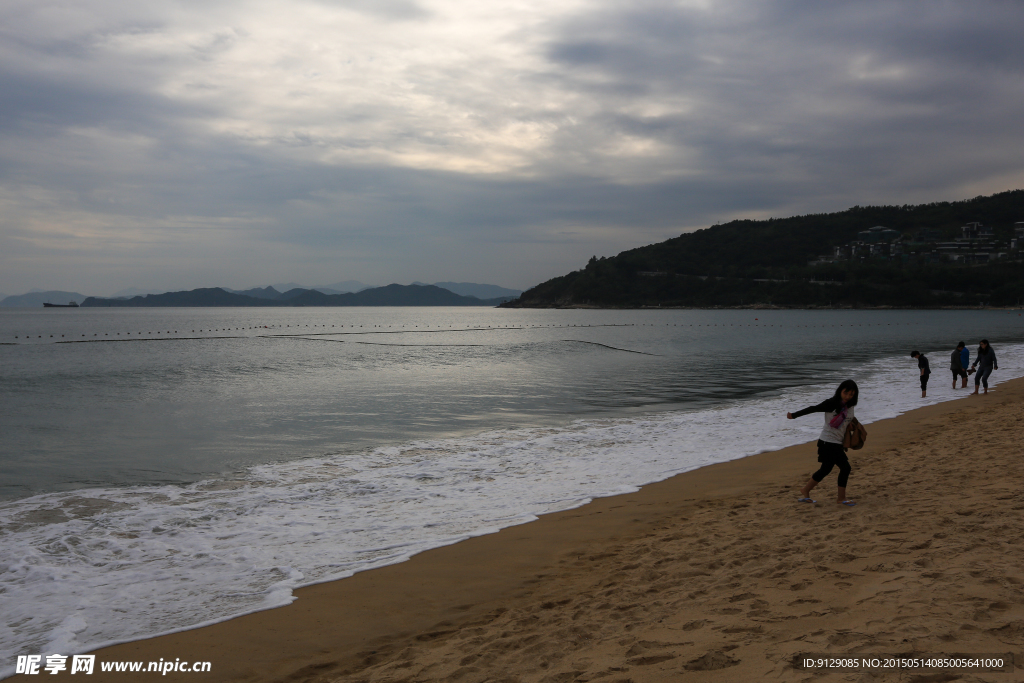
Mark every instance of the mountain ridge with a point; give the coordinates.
(391, 295)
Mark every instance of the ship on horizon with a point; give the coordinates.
(70, 304)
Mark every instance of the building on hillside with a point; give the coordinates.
(976, 230)
(927, 235)
(1018, 230)
(879, 233)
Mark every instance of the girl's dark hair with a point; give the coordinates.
(837, 398)
(986, 349)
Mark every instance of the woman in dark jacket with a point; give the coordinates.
(986, 363)
(838, 416)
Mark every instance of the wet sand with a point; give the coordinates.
(713, 575)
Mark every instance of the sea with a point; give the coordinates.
(166, 468)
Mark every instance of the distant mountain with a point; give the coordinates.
(213, 296)
(37, 299)
(478, 290)
(343, 287)
(392, 295)
(256, 292)
(285, 286)
(135, 291)
(336, 288)
(292, 293)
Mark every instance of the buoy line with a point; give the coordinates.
(365, 331)
(335, 334)
(614, 348)
(144, 339)
(346, 341)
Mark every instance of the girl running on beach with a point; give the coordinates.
(986, 362)
(838, 415)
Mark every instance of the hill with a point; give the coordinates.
(392, 295)
(207, 296)
(257, 293)
(37, 299)
(480, 291)
(815, 260)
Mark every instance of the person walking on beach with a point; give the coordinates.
(965, 359)
(957, 366)
(838, 416)
(986, 363)
(926, 371)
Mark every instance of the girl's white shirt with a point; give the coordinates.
(836, 434)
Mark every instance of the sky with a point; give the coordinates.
(238, 143)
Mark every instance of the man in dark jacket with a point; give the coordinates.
(956, 364)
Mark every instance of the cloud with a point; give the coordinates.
(386, 141)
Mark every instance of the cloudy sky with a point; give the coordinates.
(173, 145)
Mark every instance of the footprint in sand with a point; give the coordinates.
(712, 661)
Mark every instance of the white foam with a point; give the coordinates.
(89, 568)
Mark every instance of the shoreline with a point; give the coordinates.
(757, 307)
(338, 628)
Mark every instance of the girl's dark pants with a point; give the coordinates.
(829, 455)
(982, 376)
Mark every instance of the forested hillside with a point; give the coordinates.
(767, 262)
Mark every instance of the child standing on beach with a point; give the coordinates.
(838, 416)
(926, 371)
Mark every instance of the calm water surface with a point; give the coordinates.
(153, 396)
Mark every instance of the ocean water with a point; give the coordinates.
(166, 468)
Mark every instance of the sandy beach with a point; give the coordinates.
(713, 575)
